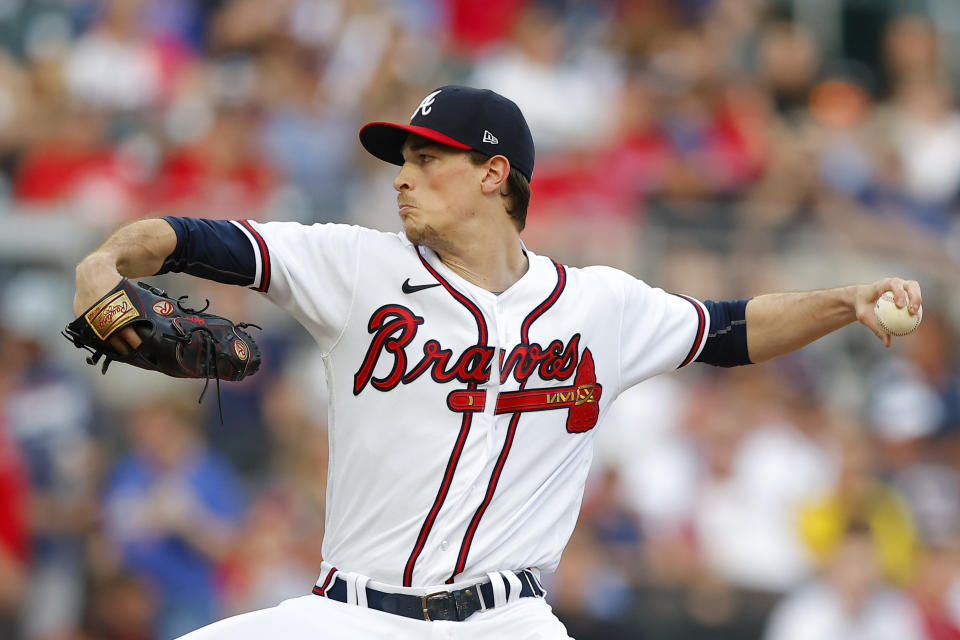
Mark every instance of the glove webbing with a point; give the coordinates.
(211, 355)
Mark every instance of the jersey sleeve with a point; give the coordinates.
(308, 270)
(659, 331)
(212, 249)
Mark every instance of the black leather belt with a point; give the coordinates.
(444, 605)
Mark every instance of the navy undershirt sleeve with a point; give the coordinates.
(212, 249)
(726, 344)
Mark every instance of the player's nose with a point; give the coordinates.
(402, 181)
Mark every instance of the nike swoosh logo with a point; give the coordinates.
(413, 288)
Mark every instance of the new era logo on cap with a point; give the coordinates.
(463, 118)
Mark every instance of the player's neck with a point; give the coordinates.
(492, 263)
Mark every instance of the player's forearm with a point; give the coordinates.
(134, 250)
(779, 323)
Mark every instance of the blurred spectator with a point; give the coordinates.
(926, 134)
(849, 602)
(307, 137)
(120, 607)
(788, 63)
(860, 496)
(763, 459)
(74, 165)
(17, 121)
(567, 102)
(48, 414)
(267, 566)
(479, 25)
(916, 392)
(14, 533)
(112, 65)
(840, 108)
(655, 463)
(172, 509)
(911, 51)
(278, 555)
(221, 175)
(933, 491)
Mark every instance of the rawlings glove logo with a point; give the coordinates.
(105, 317)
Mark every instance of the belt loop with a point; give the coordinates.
(499, 589)
(326, 580)
(351, 590)
(515, 586)
(542, 591)
(535, 575)
(360, 589)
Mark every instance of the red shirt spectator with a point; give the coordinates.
(13, 500)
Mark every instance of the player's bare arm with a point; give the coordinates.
(779, 323)
(133, 250)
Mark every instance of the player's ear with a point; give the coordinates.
(497, 171)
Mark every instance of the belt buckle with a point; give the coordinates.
(425, 602)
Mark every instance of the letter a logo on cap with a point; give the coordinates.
(489, 137)
(425, 105)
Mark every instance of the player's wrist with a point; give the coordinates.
(853, 297)
(95, 275)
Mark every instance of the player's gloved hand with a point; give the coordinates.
(166, 336)
(905, 293)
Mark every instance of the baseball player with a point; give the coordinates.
(467, 374)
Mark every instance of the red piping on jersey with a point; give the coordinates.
(546, 304)
(511, 430)
(462, 299)
(264, 257)
(461, 438)
(701, 320)
(322, 589)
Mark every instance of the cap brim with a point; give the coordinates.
(385, 139)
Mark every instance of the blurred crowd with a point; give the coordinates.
(721, 148)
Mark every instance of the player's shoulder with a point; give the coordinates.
(601, 277)
(331, 232)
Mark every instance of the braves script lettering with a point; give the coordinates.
(394, 327)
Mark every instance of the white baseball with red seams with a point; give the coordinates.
(461, 421)
(897, 321)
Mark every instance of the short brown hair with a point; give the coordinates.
(517, 194)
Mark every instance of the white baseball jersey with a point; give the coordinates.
(461, 421)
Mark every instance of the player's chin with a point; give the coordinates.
(420, 234)
(414, 234)
(413, 231)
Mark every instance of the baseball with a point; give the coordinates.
(893, 319)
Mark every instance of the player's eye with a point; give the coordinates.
(424, 158)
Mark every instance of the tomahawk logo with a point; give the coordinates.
(426, 104)
(489, 137)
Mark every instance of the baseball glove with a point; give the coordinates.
(176, 340)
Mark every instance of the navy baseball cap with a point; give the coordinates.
(463, 118)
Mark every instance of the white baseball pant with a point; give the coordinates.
(314, 617)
